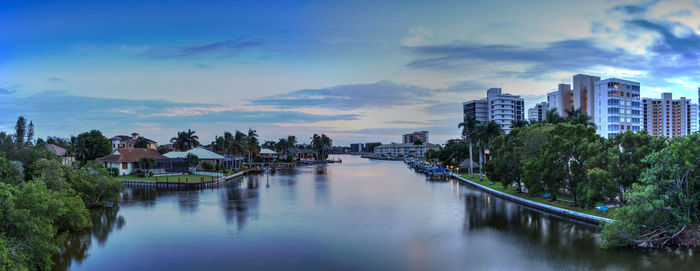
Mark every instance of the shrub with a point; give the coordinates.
(207, 166)
(218, 168)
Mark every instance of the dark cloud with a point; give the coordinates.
(630, 9)
(673, 55)
(565, 55)
(221, 48)
(346, 97)
(54, 80)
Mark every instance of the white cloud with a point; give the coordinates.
(418, 36)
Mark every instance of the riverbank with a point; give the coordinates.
(561, 209)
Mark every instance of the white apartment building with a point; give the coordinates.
(538, 113)
(500, 107)
(405, 149)
(669, 117)
(617, 107)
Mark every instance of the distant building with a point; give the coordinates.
(538, 112)
(61, 152)
(669, 117)
(404, 149)
(203, 155)
(500, 107)
(356, 147)
(129, 142)
(618, 107)
(413, 137)
(369, 146)
(583, 94)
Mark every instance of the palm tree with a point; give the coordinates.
(185, 140)
(485, 133)
(326, 144)
(320, 143)
(553, 117)
(239, 144)
(576, 116)
(468, 129)
(253, 144)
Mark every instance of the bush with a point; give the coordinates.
(141, 174)
(207, 166)
(150, 174)
(218, 168)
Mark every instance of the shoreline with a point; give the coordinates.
(577, 216)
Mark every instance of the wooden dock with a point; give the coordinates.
(176, 181)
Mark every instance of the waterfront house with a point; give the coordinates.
(303, 154)
(204, 155)
(62, 153)
(129, 142)
(404, 149)
(127, 160)
(268, 155)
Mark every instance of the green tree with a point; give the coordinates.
(192, 160)
(91, 145)
(185, 140)
(141, 142)
(553, 117)
(484, 134)
(163, 149)
(20, 130)
(253, 146)
(576, 116)
(664, 203)
(626, 157)
(147, 163)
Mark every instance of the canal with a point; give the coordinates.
(358, 215)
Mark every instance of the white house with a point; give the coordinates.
(127, 160)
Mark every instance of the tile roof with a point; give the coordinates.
(57, 150)
(130, 155)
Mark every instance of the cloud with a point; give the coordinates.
(672, 55)
(418, 35)
(565, 55)
(630, 9)
(54, 80)
(347, 97)
(58, 113)
(221, 48)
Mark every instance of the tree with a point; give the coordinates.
(141, 142)
(576, 116)
(20, 130)
(271, 145)
(664, 203)
(185, 140)
(553, 117)
(469, 133)
(163, 149)
(626, 157)
(418, 141)
(147, 163)
(92, 145)
(192, 160)
(30, 132)
(253, 146)
(485, 133)
(519, 123)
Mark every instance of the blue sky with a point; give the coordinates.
(356, 70)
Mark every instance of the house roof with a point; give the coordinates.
(130, 155)
(199, 152)
(57, 150)
(129, 138)
(267, 151)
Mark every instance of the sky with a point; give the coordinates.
(358, 71)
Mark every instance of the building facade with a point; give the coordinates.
(405, 149)
(538, 113)
(668, 117)
(618, 107)
(412, 137)
(500, 107)
(129, 142)
(583, 94)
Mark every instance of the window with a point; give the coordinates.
(613, 102)
(613, 110)
(613, 127)
(125, 165)
(613, 119)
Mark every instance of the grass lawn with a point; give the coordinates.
(558, 203)
(182, 178)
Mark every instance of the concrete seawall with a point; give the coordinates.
(536, 205)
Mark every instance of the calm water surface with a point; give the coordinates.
(359, 215)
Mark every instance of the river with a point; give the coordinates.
(358, 215)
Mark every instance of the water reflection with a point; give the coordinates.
(75, 249)
(359, 215)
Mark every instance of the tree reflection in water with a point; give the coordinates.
(104, 221)
(238, 201)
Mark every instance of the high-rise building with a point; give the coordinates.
(356, 147)
(583, 94)
(669, 117)
(500, 107)
(617, 106)
(538, 112)
(412, 137)
(553, 101)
